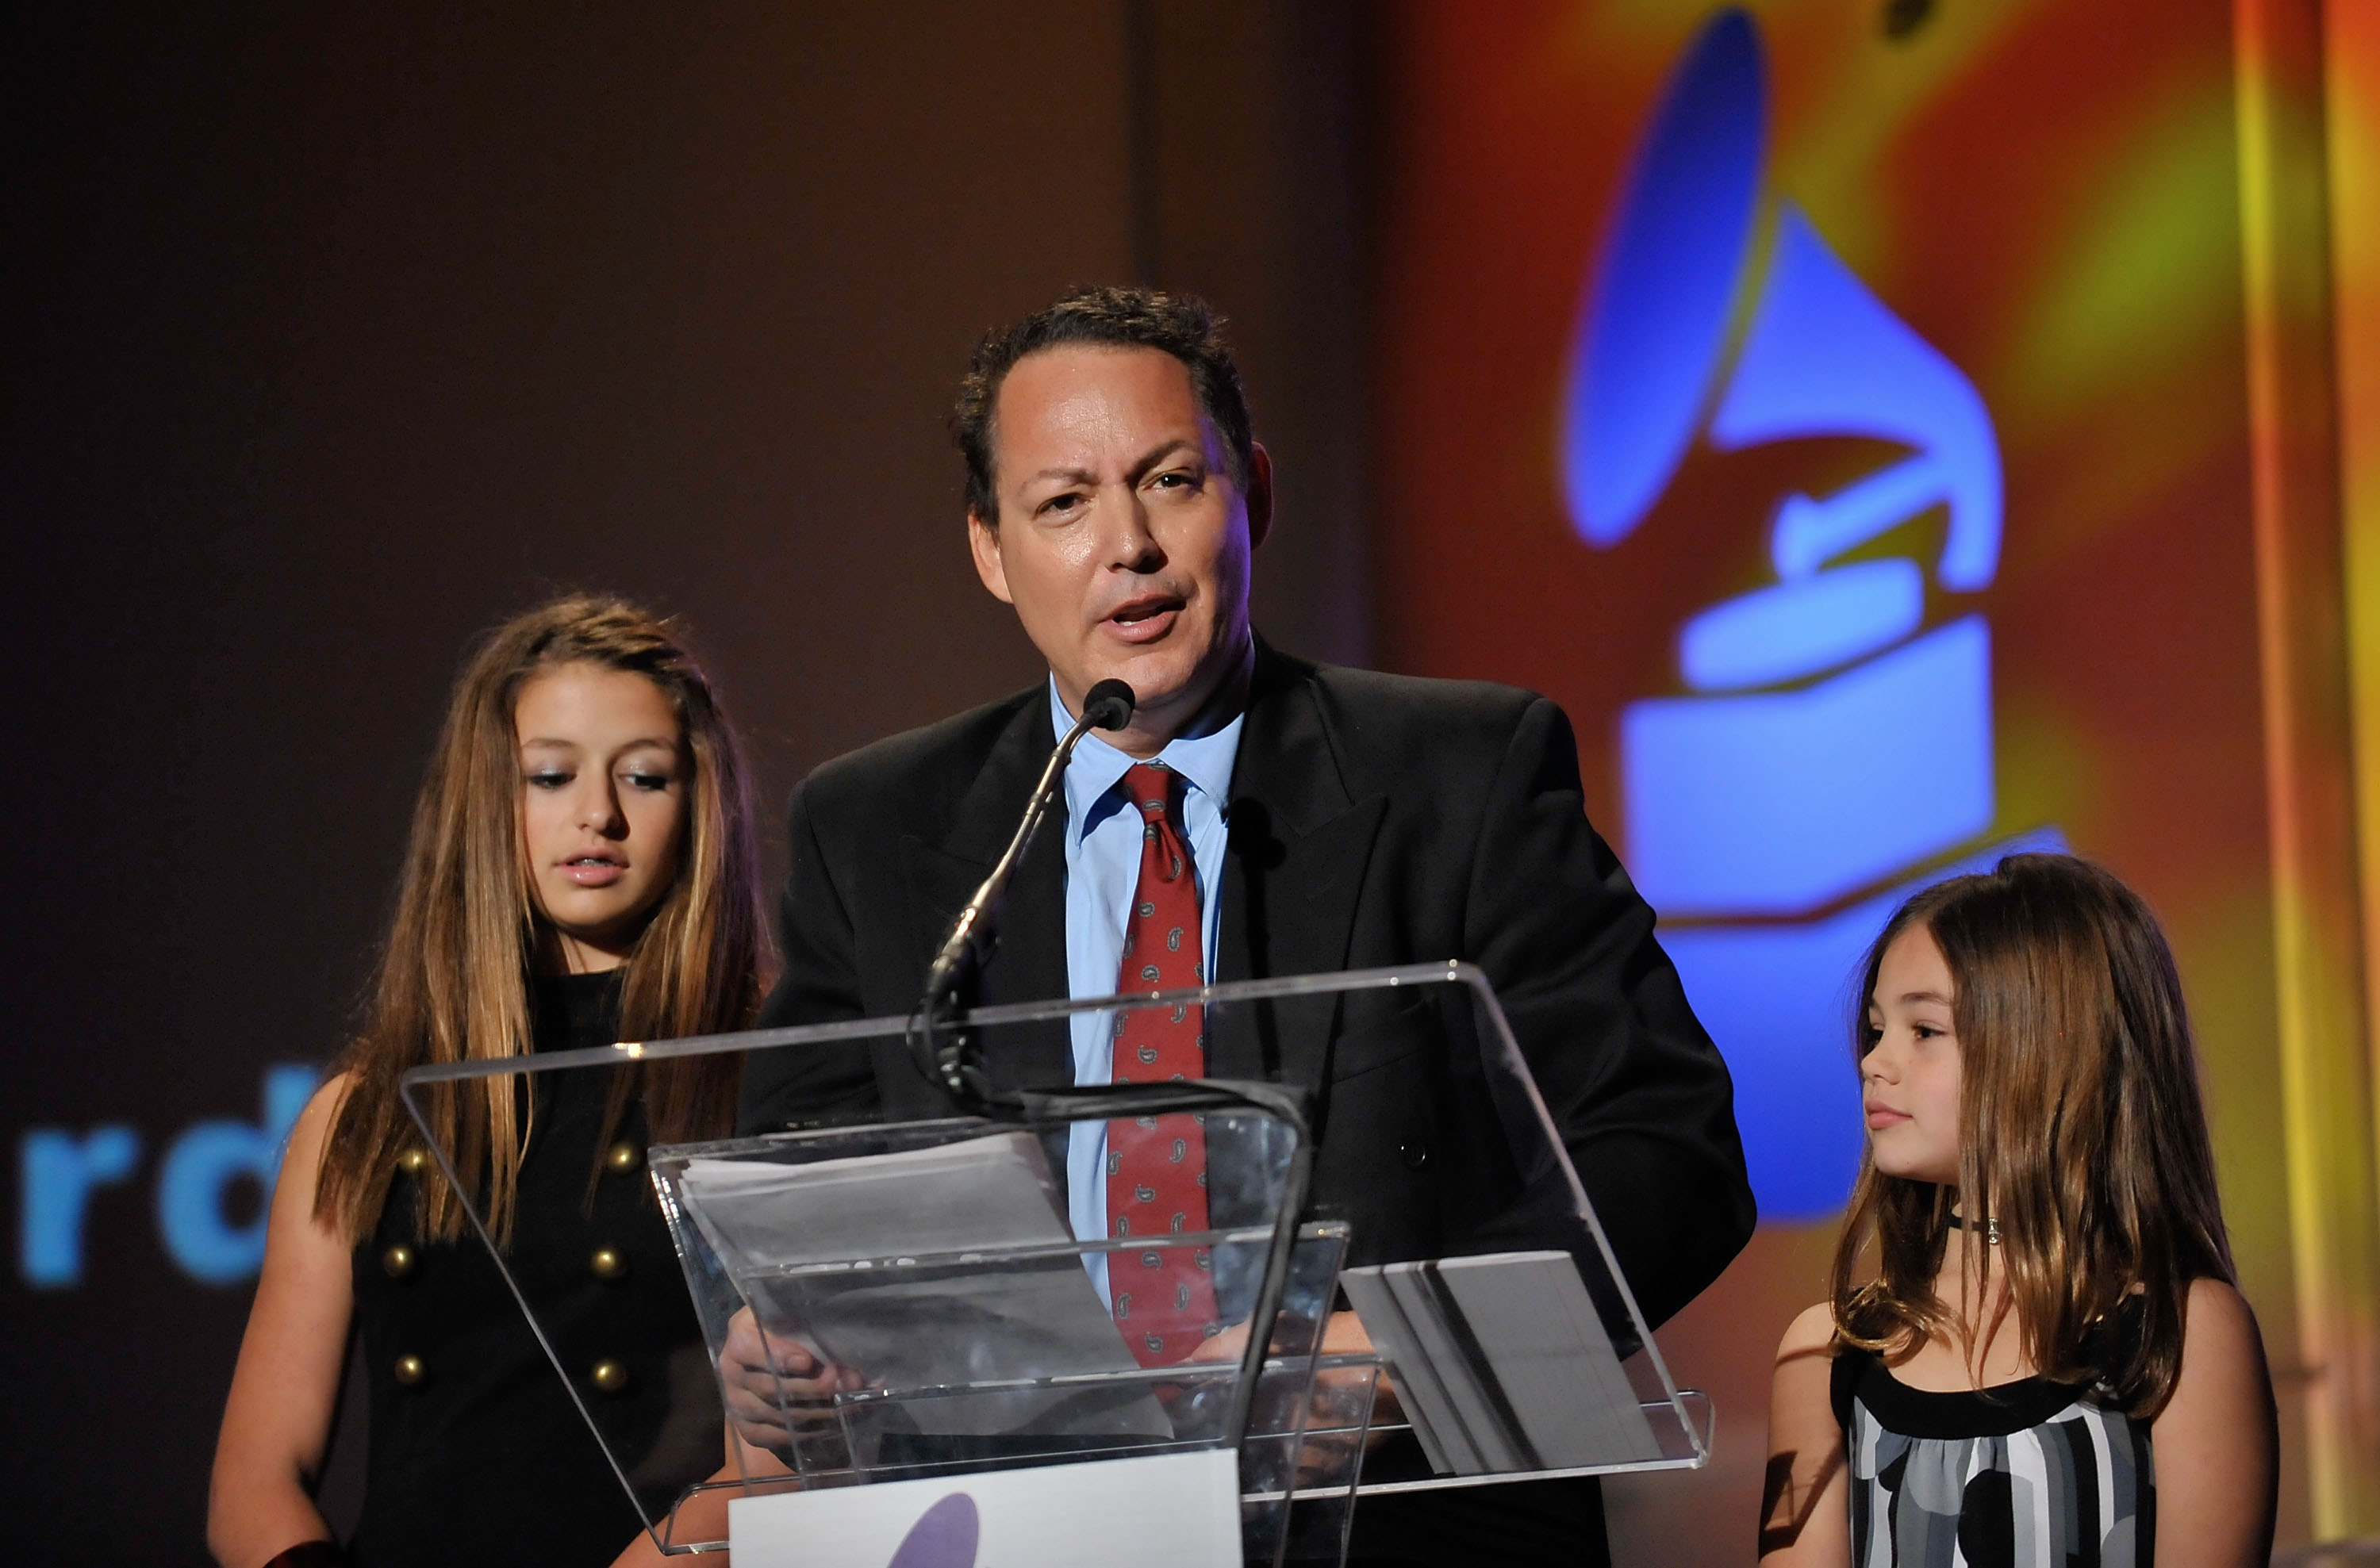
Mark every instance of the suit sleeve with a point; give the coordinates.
(819, 983)
(1638, 1091)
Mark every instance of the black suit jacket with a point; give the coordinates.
(1374, 820)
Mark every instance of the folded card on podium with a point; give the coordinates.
(1503, 1363)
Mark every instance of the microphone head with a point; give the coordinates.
(1109, 705)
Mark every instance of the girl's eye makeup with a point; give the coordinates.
(548, 779)
(648, 780)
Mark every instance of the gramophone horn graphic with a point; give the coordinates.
(1835, 741)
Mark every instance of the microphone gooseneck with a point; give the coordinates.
(945, 1054)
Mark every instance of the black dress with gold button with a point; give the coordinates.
(478, 1453)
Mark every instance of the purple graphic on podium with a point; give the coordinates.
(1835, 744)
(944, 1536)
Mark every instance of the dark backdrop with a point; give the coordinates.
(333, 334)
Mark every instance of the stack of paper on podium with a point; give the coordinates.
(932, 1272)
(1502, 1362)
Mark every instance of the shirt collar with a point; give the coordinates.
(1204, 761)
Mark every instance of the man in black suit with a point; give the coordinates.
(1114, 498)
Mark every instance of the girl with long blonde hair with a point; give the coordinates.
(2036, 1352)
(581, 869)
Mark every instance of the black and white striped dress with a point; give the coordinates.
(2023, 1475)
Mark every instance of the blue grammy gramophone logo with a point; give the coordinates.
(1837, 737)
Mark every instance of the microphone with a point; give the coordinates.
(1107, 706)
(945, 1056)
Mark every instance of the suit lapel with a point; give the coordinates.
(1029, 965)
(1299, 846)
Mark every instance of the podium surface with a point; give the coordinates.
(956, 1299)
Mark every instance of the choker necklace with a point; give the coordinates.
(1991, 1229)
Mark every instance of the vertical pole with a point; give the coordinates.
(2310, 745)
(2351, 140)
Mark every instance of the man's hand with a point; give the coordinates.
(1337, 1401)
(1333, 1399)
(1342, 1335)
(769, 1378)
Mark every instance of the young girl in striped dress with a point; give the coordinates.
(2050, 1363)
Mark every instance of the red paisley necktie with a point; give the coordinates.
(1164, 1297)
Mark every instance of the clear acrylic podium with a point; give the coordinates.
(884, 1301)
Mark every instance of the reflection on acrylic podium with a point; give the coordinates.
(998, 1400)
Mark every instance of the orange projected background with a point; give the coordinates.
(2091, 215)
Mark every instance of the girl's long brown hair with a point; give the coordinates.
(453, 978)
(2081, 1136)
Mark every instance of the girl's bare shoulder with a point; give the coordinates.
(2218, 1319)
(1813, 1330)
(2226, 1308)
(301, 1162)
(322, 1110)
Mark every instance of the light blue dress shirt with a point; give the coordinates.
(1104, 841)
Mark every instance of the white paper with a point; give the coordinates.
(985, 1192)
(981, 1316)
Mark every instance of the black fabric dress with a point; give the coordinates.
(2031, 1473)
(483, 1458)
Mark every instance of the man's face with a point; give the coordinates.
(1122, 539)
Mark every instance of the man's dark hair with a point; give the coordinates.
(1106, 316)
